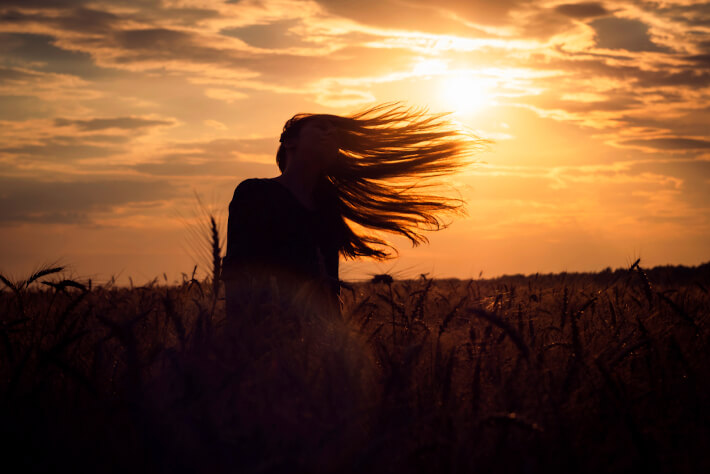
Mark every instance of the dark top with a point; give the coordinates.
(271, 232)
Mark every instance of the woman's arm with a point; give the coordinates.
(251, 228)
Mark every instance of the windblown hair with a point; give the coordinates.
(384, 154)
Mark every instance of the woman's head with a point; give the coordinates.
(310, 137)
(373, 163)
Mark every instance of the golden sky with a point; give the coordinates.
(112, 113)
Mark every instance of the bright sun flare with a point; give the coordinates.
(465, 94)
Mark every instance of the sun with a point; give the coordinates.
(465, 94)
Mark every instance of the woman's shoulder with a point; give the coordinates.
(252, 188)
(252, 184)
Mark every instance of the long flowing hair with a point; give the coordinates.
(386, 154)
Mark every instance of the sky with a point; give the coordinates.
(115, 114)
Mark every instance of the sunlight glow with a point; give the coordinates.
(429, 67)
(466, 94)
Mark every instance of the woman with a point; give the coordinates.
(305, 379)
(341, 176)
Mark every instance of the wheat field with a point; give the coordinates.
(603, 372)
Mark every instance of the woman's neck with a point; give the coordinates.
(301, 182)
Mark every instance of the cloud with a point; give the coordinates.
(75, 202)
(577, 103)
(274, 35)
(670, 144)
(692, 122)
(84, 20)
(582, 10)
(344, 98)
(49, 4)
(611, 197)
(40, 53)
(52, 88)
(477, 11)
(347, 62)
(216, 124)
(187, 165)
(581, 66)
(226, 95)
(122, 123)
(11, 75)
(256, 146)
(22, 107)
(59, 150)
(161, 39)
(690, 14)
(219, 158)
(624, 33)
(418, 15)
(128, 87)
(702, 59)
(189, 17)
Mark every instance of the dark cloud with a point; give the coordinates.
(185, 165)
(582, 10)
(73, 17)
(87, 20)
(22, 107)
(681, 220)
(40, 53)
(541, 25)
(682, 77)
(26, 200)
(615, 102)
(662, 76)
(99, 138)
(229, 146)
(222, 157)
(675, 143)
(129, 45)
(83, 20)
(162, 44)
(8, 75)
(624, 33)
(350, 61)
(180, 16)
(58, 5)
(157, 38)
(152, 47)
(702, 60)
(60, 148)
(692, 122)
(45, 4)
(276, 35)
(123, 123)
(697, 14)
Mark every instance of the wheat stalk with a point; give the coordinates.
(205, 239)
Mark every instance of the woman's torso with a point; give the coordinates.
(271, 231)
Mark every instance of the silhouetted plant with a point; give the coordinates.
(420, 376)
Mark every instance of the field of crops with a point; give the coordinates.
(605, 372)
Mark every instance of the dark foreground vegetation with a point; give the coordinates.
(604, 372)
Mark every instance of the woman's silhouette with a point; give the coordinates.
(306, 381)
(341, 178)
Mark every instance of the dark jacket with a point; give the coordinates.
(270, 233)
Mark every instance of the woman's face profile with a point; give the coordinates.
(318, 143)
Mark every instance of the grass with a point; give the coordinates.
(597, 372)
